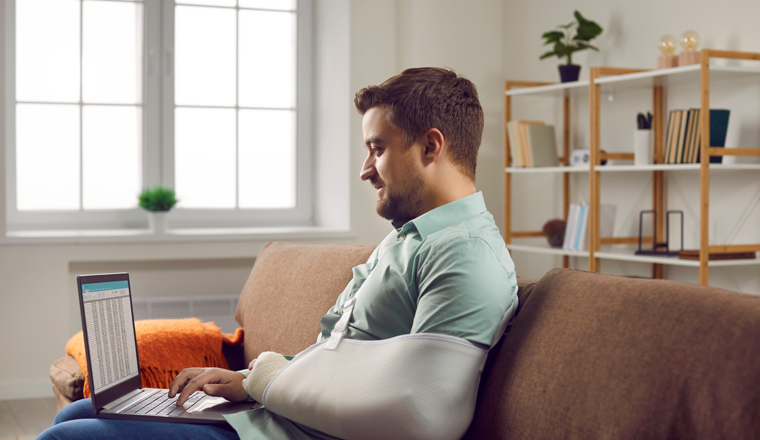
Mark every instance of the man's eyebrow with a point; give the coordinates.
(373, 140)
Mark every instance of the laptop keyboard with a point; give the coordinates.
(157, 403)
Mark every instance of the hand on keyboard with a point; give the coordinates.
(216, 382)
(155, 402)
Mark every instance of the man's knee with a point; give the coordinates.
(81, 409)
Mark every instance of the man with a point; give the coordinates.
(447, 270)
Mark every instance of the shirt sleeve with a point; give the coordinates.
(464, 290)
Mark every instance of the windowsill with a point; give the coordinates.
(179, 235)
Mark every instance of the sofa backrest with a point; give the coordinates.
(600, 356)
(288, 291)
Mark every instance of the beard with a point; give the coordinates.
(402, 204)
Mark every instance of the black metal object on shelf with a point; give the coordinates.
(663, 248)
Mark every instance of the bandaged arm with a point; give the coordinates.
(267, 365)
(425, 383)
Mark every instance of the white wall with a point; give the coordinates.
(390, 36)
(368, 41)
(485, 40)
(631, 34)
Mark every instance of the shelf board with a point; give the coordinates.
(535, 170)
(559, 89)
(655, 77)
(628, 255)
(545, 249)
(679, 167)
(671, 76)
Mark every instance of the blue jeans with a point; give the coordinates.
(77, 421)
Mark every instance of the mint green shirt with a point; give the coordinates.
(448, 272)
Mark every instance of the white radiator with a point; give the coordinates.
(219, 309)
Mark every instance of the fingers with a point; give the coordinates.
(227, 384)
(213, 381)
(182, 379)
(196, 382)
(250, 366)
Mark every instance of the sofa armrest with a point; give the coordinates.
(68, 380)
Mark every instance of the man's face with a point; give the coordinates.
(392, 167)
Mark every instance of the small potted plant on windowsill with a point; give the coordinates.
(157, 201)
(570, 38)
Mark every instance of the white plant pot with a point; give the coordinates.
(642, 147)
(157, 221)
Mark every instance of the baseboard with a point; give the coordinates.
(26, 390)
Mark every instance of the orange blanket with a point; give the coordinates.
(166, 347)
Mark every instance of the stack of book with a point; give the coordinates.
(576, 231)
(683, 135)
(532, 144)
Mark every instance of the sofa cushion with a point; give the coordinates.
(288, 291)
(600, 356)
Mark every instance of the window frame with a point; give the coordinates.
(158, 136)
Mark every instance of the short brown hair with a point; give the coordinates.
(422, 98)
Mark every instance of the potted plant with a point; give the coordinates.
(157, 201)
(570, 38)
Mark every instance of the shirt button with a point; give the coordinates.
(402, 237)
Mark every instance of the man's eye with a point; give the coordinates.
(376, 150)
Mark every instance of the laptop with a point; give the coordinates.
(105, 302)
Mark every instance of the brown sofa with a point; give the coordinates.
(589, 356)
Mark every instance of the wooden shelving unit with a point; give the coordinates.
(605, 78)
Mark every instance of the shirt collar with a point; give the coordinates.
(446, 215)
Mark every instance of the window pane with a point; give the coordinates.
(205, 56)
(47, 157)
(267, 159)
(47, 50)
(111, 54)
(112, 162)
(267, 59)
(204, 158)
(207, 2)
(282, 5)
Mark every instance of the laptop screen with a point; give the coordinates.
(107, 313)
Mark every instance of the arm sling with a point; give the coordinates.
(415, 386)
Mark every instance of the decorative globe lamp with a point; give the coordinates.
(690, 42)
(668, 46)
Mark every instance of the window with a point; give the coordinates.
(111, 96)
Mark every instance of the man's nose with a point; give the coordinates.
(368, 168)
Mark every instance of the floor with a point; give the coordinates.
(25, 419)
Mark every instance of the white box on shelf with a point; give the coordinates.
(580, 157)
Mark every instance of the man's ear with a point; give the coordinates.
(433, 143)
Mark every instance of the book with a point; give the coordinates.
(687, 145)
(572, 219)
(606, 224)
(694, 255)
(581, 227)
(681, 140)
(674, 139)
(672, 118)
(518, 142)
(514, 147)
(523, 140)
(718, 130)
(542, 146)
(694, 144)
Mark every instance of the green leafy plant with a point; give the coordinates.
(571, 38)
(157, 199)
